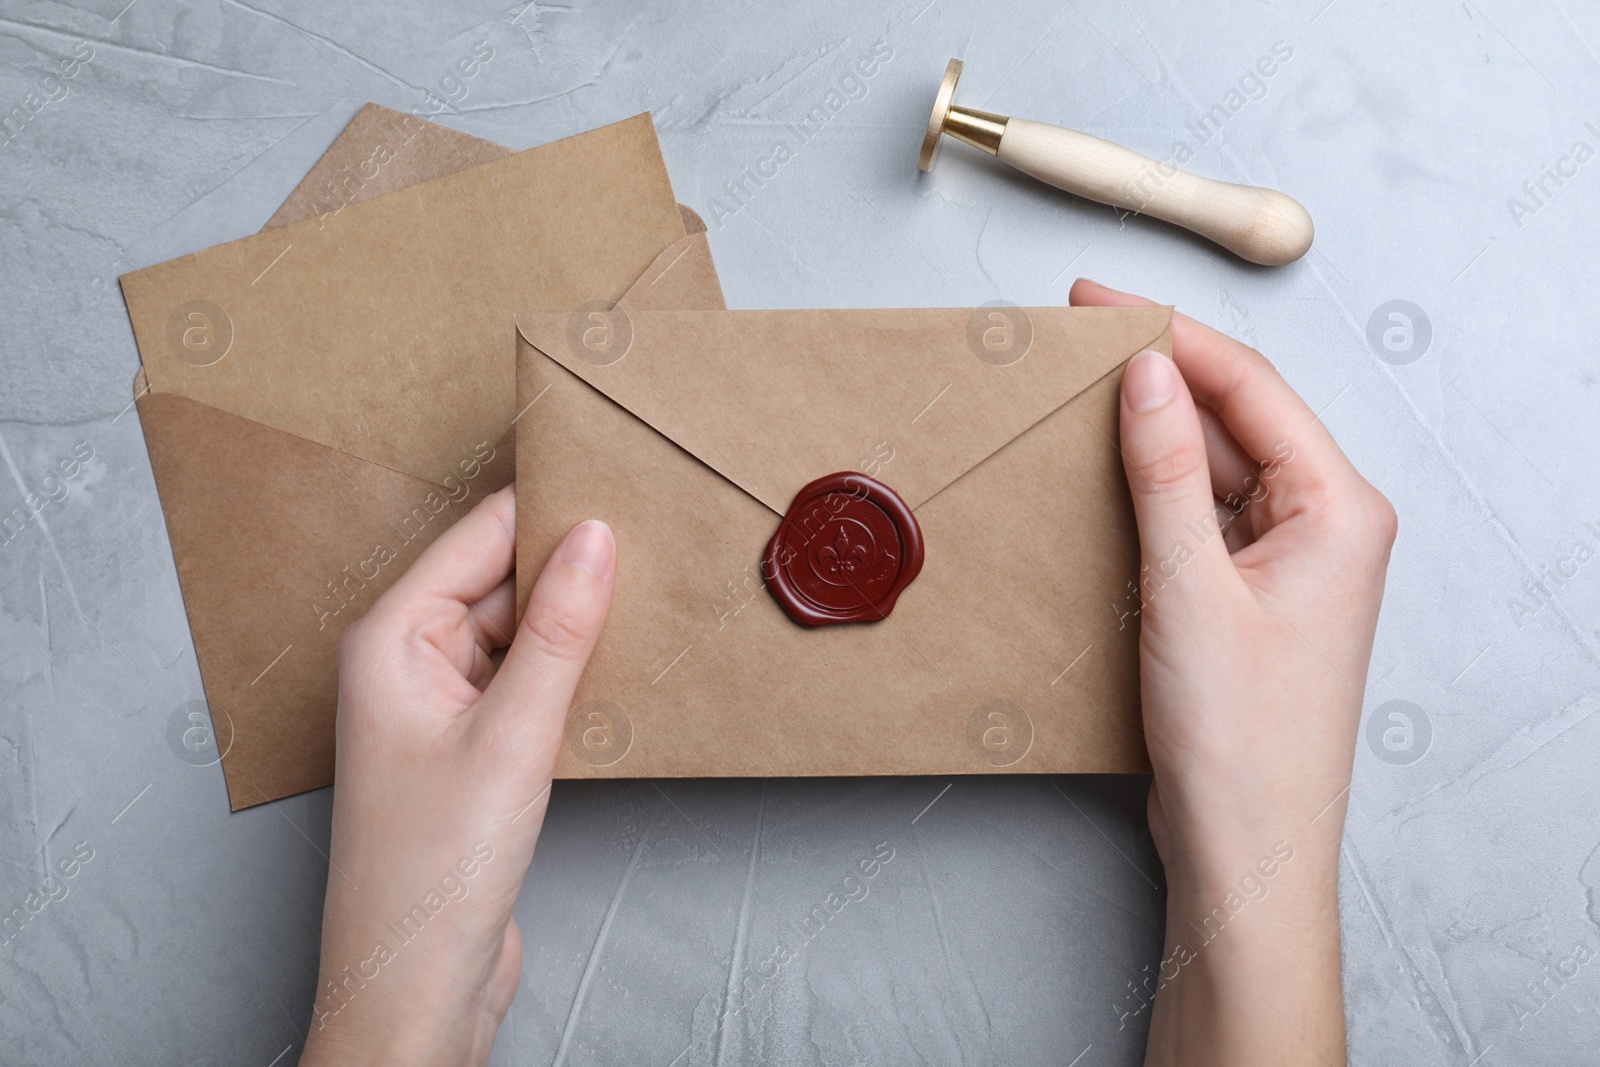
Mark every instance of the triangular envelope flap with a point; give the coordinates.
(775, 399)
(682, 278)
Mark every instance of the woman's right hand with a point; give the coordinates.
(1263, 555)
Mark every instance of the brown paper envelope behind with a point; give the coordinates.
(381, 330)
(383, 150)
(281, 541)
(1014, 650)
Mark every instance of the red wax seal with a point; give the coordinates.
(845, 551)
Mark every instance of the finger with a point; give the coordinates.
(494, 618)
(1259, 408)
(468, 560)
(1230, 465)
(1235, 480)
(1237, 533)
(1231, 469)
(491, 621)
(1164, 452)
(566, 611)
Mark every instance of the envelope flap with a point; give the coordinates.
(775, 399)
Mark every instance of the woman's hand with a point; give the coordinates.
(445, 758)
(1263, 555)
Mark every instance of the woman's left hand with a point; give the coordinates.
(445, 758)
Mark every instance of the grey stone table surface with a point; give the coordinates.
(1444, 325)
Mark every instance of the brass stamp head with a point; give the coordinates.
(978, 128)
(941, 108)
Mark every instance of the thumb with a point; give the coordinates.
(1164, 454)
(566, 612)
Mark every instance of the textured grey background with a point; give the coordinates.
(1014, 913)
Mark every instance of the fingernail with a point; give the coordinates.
(1150, 382)
(589, 547)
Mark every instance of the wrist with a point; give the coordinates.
(1265, 911)
(395, 1043)
(1250, 973)
(1214, 837)
(398, 1024)
(1199, 868)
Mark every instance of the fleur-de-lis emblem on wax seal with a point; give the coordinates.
(846, 549)
(841, 557)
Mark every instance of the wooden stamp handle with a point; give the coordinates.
(1261, 225)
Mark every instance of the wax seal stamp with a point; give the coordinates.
(845, 552)
(1261, 225)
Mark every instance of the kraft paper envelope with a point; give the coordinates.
(312, 429)
(1014, 650)
(383, 150)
